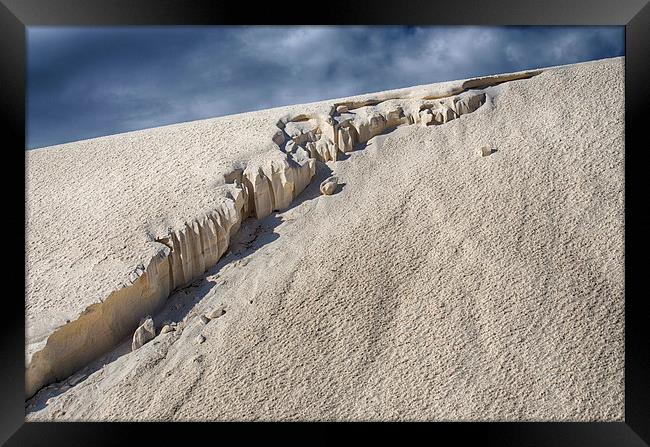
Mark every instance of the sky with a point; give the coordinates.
(88, 82)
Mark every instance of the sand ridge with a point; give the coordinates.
(398, 175)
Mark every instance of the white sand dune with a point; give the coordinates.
(436, 283)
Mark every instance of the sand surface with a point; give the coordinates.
(434, 284)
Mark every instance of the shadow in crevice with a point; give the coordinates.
(40, 400)
(365, 144)
(339, 188)
(312, 191)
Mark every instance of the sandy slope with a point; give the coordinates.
(435, 284)
(94, 208)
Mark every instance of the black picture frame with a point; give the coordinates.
(16, 15)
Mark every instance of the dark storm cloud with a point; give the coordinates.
(85, 82)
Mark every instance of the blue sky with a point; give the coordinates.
(88, 82)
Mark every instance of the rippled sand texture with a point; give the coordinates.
(440, 281)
